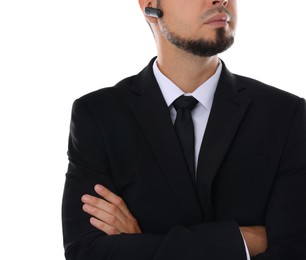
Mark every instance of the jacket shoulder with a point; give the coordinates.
(261, 91)
(108, 94)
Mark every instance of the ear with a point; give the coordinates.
(147, 3)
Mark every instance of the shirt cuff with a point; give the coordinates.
(248, 257)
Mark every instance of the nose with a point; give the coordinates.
(220, 2)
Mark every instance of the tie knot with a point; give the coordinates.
(188, 102)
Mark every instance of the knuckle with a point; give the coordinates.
(119, 202)
(93, 210)
(94, 201)
(100, 225)
(105, 192)
(112, 231)
(112, 209)
(112, 220)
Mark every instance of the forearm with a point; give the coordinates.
(83, 241)
(97, 246)
(218, 240)
(112, 217)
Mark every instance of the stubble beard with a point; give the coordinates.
(200, 47)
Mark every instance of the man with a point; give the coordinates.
(151, 178)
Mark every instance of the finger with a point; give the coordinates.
(99, 204)
(96, 202)
(113, 199)
(104, 216)
(109, 230)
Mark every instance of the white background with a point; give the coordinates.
(52, 52)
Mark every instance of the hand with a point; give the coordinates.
(110, 213)
(255, 238)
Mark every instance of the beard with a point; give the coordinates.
(200, 47)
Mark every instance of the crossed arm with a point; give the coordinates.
(111, 215)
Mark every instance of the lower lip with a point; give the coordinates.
(218, 23)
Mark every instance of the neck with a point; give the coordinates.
(185, 70)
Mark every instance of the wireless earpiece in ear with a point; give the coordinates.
(153, 12)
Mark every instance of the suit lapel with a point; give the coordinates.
(227, 112)
(153, 115)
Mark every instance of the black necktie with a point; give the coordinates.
(184, 129)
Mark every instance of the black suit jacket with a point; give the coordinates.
(251, 171)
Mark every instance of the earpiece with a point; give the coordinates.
(153, 12)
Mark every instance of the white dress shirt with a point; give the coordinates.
(200, 114)
(204, 94)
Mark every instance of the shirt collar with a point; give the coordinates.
(204, 93)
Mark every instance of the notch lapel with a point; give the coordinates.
(153, 115)
(228, 110)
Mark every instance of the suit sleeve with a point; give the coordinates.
(89, 165)
(286, 213)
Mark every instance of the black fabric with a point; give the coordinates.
(251, 171)
(184, 129)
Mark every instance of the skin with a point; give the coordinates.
(187, 71)
(187, 19)
(109, 214)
